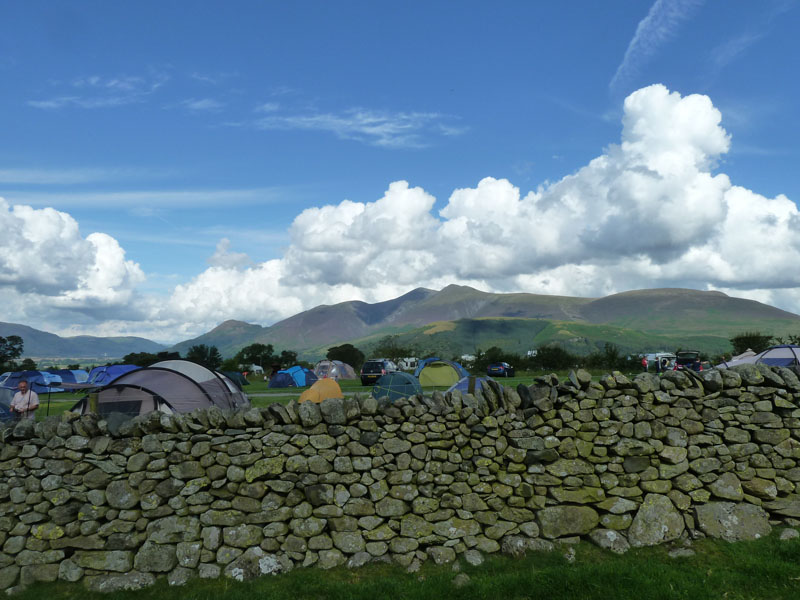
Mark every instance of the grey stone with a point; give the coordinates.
(657, 521)
(118, 583)
(254, 562)
(155, 558)
(119, 494)
(610, 540)
(560, 521)
(732, 522)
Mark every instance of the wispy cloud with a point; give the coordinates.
(211, 78)
(77, 176)
(95, 91)
(729, 51)
(156, 198)
(267, 107)
(203, 105)
(660, 24)
(378, 128)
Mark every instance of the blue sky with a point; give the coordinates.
(191, 137)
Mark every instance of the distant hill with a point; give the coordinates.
(458, 319)
(41, 344)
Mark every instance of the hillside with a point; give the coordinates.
(41, 344)
(458, 319)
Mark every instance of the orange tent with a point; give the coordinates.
(322, 389)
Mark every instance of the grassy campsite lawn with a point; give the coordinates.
(763, 569)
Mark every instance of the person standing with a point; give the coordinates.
(25, 401)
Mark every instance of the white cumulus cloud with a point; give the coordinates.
(650, 211)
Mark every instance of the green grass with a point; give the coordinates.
(764, 569)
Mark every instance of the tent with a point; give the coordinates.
(295, 376)
(6, 396)
(100, 376)
(40, 382)
(70, 375)
(182, 388)
(334, 369)
(785, 355)
(236, 377)
(396, 385)
(218, 386)
(320, 390)
(441, 373)
(468, 385)
(424, 363)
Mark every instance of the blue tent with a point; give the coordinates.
(100, 376)
(70, 375)
(396, 385)
(296, 376)
(468, 385)
(38, 381)
(5, 402)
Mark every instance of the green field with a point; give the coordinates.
(763, 569)
(261, 395)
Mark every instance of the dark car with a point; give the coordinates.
(501, 369)
(688, 359)
(375, 368)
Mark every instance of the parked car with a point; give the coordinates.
(375, 368)
(501, 369)
(688, 359)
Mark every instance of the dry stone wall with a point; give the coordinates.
(621, 462)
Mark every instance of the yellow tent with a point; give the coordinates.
(438, 373)
(322, 389)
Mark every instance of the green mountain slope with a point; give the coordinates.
(459, 319)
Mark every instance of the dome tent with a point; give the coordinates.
(320, 390)
(295, 376)
(334, 369)
(396, 385)
(424, 363)
(441, 373)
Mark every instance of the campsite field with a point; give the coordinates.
(261, 395)
(763, 569)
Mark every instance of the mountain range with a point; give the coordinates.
(459, 319)
(42, 345)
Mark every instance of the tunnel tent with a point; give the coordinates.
(784, 355)
(40, 382)
(334, 369)
(100, 376)
(468, 385)
(224, 392)
(6, 396)
(295, 376)
(151, 389)
(320, 390)
(396, 385)
(441, 373)
(70, 375)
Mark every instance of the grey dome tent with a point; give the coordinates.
(396, 385)
(334, 369)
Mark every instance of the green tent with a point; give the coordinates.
(439, 373)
